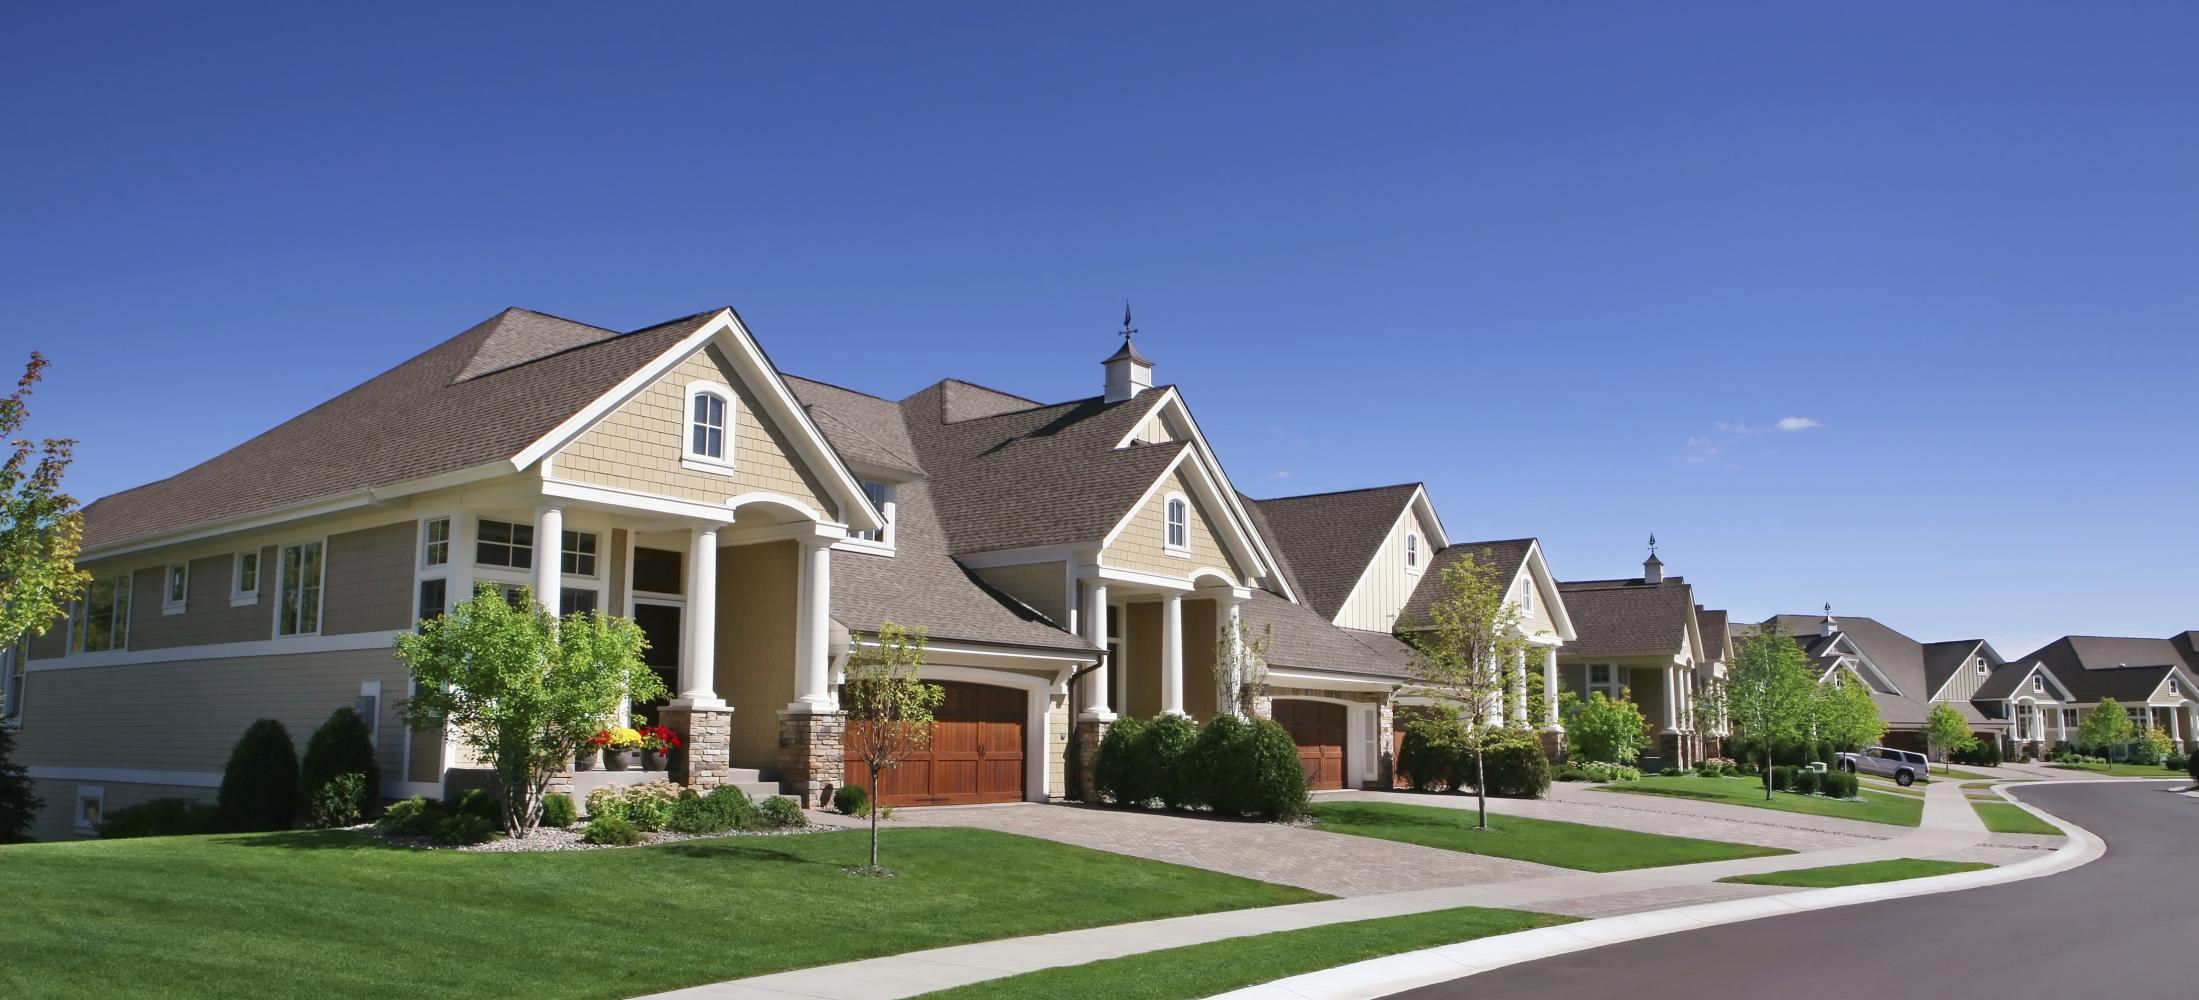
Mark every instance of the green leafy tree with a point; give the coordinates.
(1947, 733)
(19, 800)
(1604, 730)
(1771, 687)
(523, 689)
(1845, 714)
(1459, 658)
(2105, 727)
(889, 707)
(40, 528)
(1711, 708)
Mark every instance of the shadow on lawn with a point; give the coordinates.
(1344, 815)
(311, 840)
(731, 850)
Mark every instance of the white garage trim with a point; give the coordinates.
(1035, 716)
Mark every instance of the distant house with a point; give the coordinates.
(2049, 690)
(1906, 677)
(1640, 637)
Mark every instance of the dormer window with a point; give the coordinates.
(1981, 666)
(1176, 530)
(881, 497)
(1412, 552)
(709, 419)
(2038, 683)
(2173, 688)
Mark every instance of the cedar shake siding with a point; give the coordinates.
(757, 587)
(368, 586)
(1142, 545)
(638, 446)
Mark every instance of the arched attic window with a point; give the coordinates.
(1412, 552)
(709, 425)
(1176, 525)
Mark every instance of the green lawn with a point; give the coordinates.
(1959, 774)
(1873, 807)
(1203, 970)
(1876, 785)
(1548, 842)
(2001, 817)
(2126, 770)
(339, 914)
(1858, 874)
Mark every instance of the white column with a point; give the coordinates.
(699, 623)
(2176, 726)
(1518, 715)
(1672, 698)
(2061, 724)
(813, 631)
(1095, 632)
(1229, 697)
(549, 553)
(1550, 690)
(1172, 655)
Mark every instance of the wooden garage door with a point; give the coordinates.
(1318, 729)
(976, 753)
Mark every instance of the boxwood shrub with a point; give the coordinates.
(1162, 756)
(343, 745)
(1807, 782)
(259, 786)
(1115, 774)
(1220, 763)
(612, 830)
(1838, 785)
(1278, 778)
(1513, 764)
(1782, 777)
(850, 800)
(558, 810)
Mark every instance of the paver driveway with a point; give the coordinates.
(1334, 863)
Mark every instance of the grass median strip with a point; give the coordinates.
(2001, 817)
(340, 914)
(1871, 807)
(1542, 841)
(1203, 970)
(1859, 874)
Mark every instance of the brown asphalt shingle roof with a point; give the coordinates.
(479, 397)
(1943, 660)
(864, 429)
(1507, 556)
(1300, 637)
(2098, 666)
(1330, 538)
(1612, 617)
(1717, 644)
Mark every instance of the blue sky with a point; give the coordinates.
(1570, 265)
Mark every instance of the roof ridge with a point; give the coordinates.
(842, 388)
(1338, 493)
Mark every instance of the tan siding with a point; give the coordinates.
(207, 616)
(368, 585)
(1200, 623)
(1538, 621)
(1141, 651)
(1057, 745)
(1043, 586)
(427, 748)
(638, 446)
(57, 821)
(1154, 431)
(757, 585)
(1386, 585)
(1142, 545)
(186, 715)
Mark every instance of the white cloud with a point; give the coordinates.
(1797, 423)
(1279, 474)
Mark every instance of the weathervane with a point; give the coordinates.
(1127, 329)
(1653, 543)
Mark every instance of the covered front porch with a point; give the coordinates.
(1661, 686)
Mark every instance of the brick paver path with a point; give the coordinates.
(1577, 803)
(1334, 863)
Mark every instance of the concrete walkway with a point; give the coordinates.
(1949, 828)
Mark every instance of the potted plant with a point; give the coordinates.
(657, 744)
(590, 756)
(621, 748)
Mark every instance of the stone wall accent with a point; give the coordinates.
(1089, 734)
(705, 761)
(1553, 745)
(811, 755)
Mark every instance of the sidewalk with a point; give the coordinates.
(1949, 827)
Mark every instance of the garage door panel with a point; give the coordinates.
(976, 752)
(1318, 728)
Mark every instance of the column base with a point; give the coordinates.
(705, 761)
(1090, 732)
(1553, 745)
(811, 755)
(1099, 715)
(1669, 750)
(705, 702)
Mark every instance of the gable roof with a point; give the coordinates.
(1331, 537)
(506, 381)
(1507, 556)
(1943, 660)
(1717, 638)
(864, 429)
(1615, 617)
(2124, 668)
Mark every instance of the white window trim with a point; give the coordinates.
(450, 541)
(693, 460)
(534, 549)
(1412, 553)
(598, 555)
(238, 596)
(889, 509)
(84, 793)
(1184, 550)
(1527, 596)
(2038, 684)
(1982, 671)
(170, 604)
(14, 658)
(320, 614)
(80, 617)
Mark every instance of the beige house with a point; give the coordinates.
(1640, 638)
(2047, 693)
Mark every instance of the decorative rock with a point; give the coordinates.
(811, 755)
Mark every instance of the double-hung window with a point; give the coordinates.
(1605, 678)
(1527, 596)
(103, 616)
(578, 557)
(435, 542)
(2038, 683)
(1176, 538)
(300, 613)
(244, 579)
(175, 595)
(502, 543)
(881, 497)
(1412, 552)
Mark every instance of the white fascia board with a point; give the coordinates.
(756, 371)
(1024, 556)
(1547, 585)
(337, 504)
(1238, 535)
(1228, 490)
(1942, 689)
(1330, 681)
(1421, 502)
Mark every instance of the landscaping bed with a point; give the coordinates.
(343, 914)
(1859, 874)
(1869, 806)
(1548, 842)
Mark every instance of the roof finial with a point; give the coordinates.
(1127, 329)
(1652, 543)
(1828, 609)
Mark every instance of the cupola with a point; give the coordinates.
(1653, 568)
(1128, 372)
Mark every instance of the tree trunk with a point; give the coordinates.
(874, 809)
(1481, 787)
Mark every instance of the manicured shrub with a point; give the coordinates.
(1115, 774)
(475, 802)
(1670, 772)
(1782, 777)
(413, 817)
(1278, 780)
(465, 828)
(1513, 765)
(1163, 755)
(19, 803)
(851, 800)
(780, 813)
(2152, 746)
(1807, 782)
(690, 814)
(1435, 754)
(612, 830)
(1838, 785)
(343, 745)
(339, 801)
(1601, 729)
(732, 807)
(161, 818)
(649, 810)
(558, 811)
(1219, 762)
(259, 787)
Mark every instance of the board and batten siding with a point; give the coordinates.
(368, 587)
(1965, 682)
(1387, 585)
(757, 588)
(1142, 546)
(1043, 586)
(638, 445)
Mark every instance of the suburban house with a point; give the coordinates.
(2049, 691)
(1640, 638)
(1069, 561)
(1710, 677)
(1906, 678)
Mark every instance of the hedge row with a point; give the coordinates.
(1440, 752)
(1230, 766)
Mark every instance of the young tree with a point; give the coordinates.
(40, 527)
(1459, 659)
(2105, 727)
(18, 800)
(1846, 715)
(889, 707)
(1604, 730)
(1947, 732)
(523, 689)
(1711, 708)
(1240, 668)
(1770, 688)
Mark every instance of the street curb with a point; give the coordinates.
(1381, 977)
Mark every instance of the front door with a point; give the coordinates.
(660, 626)
(1318, 729)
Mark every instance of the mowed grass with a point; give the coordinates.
(1542, 841)
(1859, 874)
(1203, 970)
(341, 915)
(2001, 817)
(2126, 770)
(1871, 807)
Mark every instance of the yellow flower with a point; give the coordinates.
(625, 738)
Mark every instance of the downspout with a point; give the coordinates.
(1075, 757)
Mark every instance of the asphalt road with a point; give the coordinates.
(2125, 926)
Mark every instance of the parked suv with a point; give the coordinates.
(1904, 766)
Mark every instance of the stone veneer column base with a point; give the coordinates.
(1553, 745)
(811, 755)
(705, 761)
(1089, 734)
(1668, 750)
(1385, 743)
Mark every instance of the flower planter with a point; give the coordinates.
(588, 760)
(656, 760)
(622, 760)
